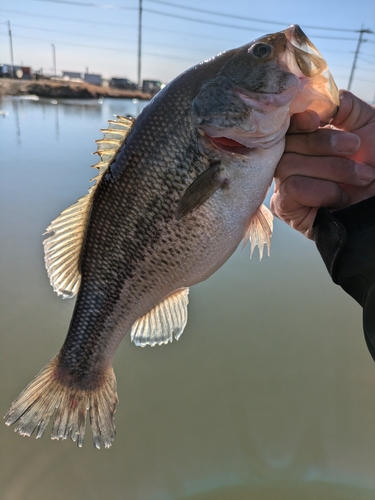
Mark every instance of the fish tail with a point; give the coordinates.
(48, 395)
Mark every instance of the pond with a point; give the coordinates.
(269, 393)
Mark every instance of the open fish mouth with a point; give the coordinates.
(305, 61)
(309, 59)
(229, 145)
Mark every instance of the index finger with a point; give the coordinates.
(323, 142)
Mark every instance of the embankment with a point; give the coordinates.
(59, 89)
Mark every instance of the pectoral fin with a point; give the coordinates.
(259, 231)
(163, 322)
(200, 190)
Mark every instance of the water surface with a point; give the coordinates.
(269, 394)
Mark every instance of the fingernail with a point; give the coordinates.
(345, 142)
(364, 172)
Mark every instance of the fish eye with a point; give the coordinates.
(260, 50)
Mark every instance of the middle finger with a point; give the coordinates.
(329, 168)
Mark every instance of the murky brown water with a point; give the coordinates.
(269, 394)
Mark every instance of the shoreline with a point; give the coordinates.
(60, 89)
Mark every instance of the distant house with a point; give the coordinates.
(71, 75)
(93, 79)
(19, 72)
(152, 86)
(122, 83)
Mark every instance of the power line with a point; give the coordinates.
(59, 31)
(85, 21)
(162, 14)
(364, 80)
(368, 62)
(96, 47)
(214, 23)
(121, 25)
(117, 49)
(84, 4)
(176, 16)
(127, 41)
(195, 9)
(58, 18)
(244, 18)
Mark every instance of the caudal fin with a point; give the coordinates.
(46, 396)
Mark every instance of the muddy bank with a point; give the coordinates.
(68, 90)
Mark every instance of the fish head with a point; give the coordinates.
(250, 100)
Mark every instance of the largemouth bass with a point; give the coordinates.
(177, 191)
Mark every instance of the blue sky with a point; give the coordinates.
(102, 35)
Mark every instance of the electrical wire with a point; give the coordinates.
(214, 23)
(244, 18)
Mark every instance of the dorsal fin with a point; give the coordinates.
(163, 322)
(259, 231)
(62, 249)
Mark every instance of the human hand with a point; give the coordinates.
(330, 167)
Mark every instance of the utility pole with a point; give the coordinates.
(11, 48)
(360, 41)
(54, 59)
(139, 43)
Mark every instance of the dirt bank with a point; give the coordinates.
(61, 89)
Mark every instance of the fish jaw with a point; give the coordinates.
(318, 91)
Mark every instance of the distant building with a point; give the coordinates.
(71, 75)
(122, 83)
(19, 72)
(152, 86)
(93, 79)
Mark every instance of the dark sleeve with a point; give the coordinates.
(346, 241)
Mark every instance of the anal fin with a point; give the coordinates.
(259, 231)
(163, 322)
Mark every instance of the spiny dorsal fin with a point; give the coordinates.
(163, 322)
(62, 249)
(259, 231)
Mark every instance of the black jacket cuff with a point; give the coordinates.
(346, 241)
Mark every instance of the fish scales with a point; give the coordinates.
(144, 194)
(144, 191)
(168, 208)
